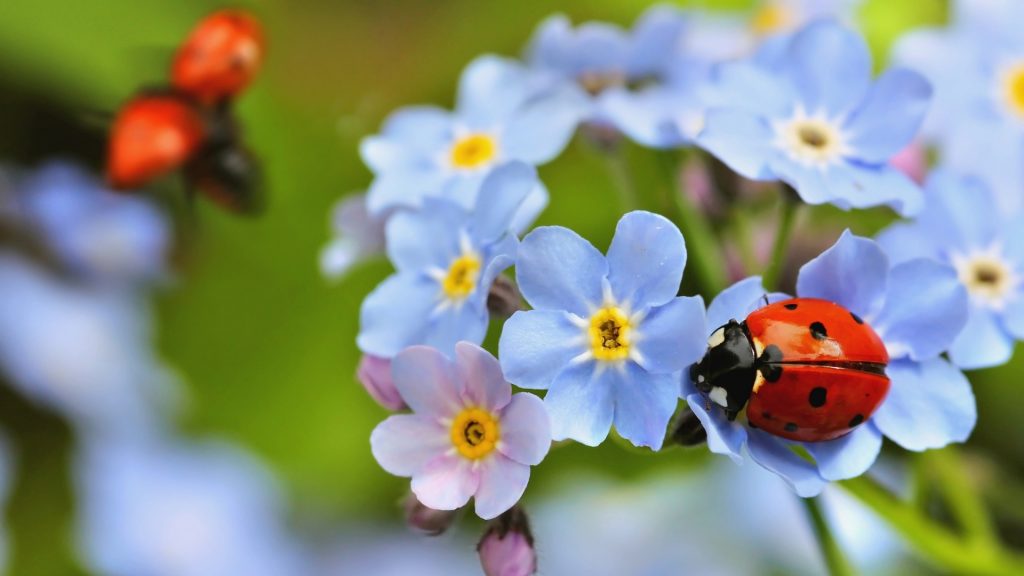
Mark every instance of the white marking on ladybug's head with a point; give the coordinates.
(719, 396)
(717, 337)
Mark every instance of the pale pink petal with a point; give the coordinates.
(426, 380)
(404, 443)
(502, 483)
(446, 482)
(525, 429)
(484, 385)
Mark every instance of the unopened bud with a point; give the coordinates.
(504, 300)
(506, 548)
(427, 520)
(375, 375)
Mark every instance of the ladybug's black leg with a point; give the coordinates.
(731, 413)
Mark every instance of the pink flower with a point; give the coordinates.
(468, 436)
(374, 373)
(507, 547)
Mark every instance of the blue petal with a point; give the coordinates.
(925, 308)
(540, 130)
(889, 118)
(930, 404)
(550, 42)
(498, 257)
(863, 186)
(960, 213)
(724, 437)
(530, 209)
(536, 345)
(1013, 317)
(645, 260)
(425, 239)
(812, 184)
(395, 314)
(734, 82)
(740, 139)
(852, 273)
(559, 270)
(648, 117)
(904, 241)
(655, 40)
(673, 336)
(848, 456)
(581, 404)
(467, 322)
(502, 193)
(409, 136)
(830, 65)
(490, 89)
(735, 302)
(402, 189)
(774, 455)
(598, 47)
(983, 343)
(644, 403)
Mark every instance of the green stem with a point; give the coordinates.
(618, 168)
(836, 561)
(962, 498)
(701, 244)
(934, 543)
(787, 218)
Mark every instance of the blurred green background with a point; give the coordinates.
(263, 343)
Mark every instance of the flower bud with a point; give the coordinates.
(912, 161)
(375, 375)
(427, 520)
(503, 299)
(506, 548)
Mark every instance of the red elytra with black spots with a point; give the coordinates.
(804, 369)
(829, 371)
(220, 57)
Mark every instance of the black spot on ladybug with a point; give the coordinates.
(789, 306)
(790, 427)
(856, 318)
(856, 420)
(766, 415)
(772, 354)
(817, 397)
(818, 331)
(752, 425)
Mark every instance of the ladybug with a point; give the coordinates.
(220, 57)
(804, 369)
(159, 132)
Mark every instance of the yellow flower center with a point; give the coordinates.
(770, 19)
(475, 433)
(1015, 89)
(609, 334)
(462, 277)
(474, 151)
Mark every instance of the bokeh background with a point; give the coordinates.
(262, 342)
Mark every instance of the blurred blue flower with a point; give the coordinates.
(918, 308)
(963, 226)
(504, 112)
(817, 122)
(446, 258)
(608, 335)
(607, 62)
(976, 66)
(358, 236)
(164, 509)
(468, 435)
(85, 350)
(103, 235)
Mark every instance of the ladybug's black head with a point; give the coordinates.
(727, 371)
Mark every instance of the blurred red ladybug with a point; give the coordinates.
(805, 369)
(220, 57)
(190, 126)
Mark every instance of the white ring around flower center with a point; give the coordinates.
(811, 140)
(989, 278)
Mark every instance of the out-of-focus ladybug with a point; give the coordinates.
(220, 57)
(805, 369)
(190, 126)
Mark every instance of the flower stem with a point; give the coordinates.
(701, 244)
(934, 543)
(618, 168)
(962, 498)
(836, 561)
(784, 233)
